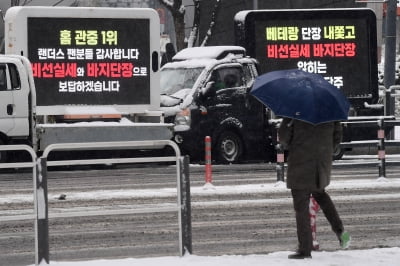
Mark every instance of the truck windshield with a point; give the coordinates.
(176, 79)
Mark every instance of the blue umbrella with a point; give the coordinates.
(301, 95)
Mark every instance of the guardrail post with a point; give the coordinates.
(186, 207)
(42, 215)
(381, 148)
(389, 102)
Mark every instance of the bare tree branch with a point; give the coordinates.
(26, 2)
(59, 2)
(196, 24)
(212, 23)
(178, 13)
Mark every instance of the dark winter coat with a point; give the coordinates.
(169, 53)
(310, 152)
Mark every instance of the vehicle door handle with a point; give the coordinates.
(10, 109)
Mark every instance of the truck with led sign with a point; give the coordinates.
(65, 65)
(339, 44)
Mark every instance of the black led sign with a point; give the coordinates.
(90, 61)
(339, 44)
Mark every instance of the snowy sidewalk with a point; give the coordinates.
(371, 257)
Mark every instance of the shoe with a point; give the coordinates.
(345, 240)
(299, 255)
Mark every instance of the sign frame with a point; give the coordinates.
(16, 42)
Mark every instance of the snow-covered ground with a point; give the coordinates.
(371, 257)
(268, 188)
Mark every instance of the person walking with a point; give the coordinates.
(169, 53)
(310, 150)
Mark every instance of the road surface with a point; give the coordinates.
(238, 216)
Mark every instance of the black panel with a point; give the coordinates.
(90, 61)
(339, 44)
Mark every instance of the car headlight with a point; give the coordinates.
(183, 118)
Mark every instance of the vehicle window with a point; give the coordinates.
(227, 77)
(248, 76)
(3, 77)
(174, 79)
(14, 76)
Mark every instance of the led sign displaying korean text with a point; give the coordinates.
(92, 61)
(330, 48)
(339, 44)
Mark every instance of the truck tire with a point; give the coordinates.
(229, 147)
(338, 153)
(3, 154)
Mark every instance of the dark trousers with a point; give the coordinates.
(301, 202)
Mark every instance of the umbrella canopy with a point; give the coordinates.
(301, 95)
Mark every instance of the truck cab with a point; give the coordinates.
(205, 92)
(14, 93)
(14, 100)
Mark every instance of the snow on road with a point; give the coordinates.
(269, 188)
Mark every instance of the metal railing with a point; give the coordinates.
(380, 124)
(41, 211)
(33, 165)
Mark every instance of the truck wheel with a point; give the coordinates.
(3, 154)
(337, 153)
(229, 147)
